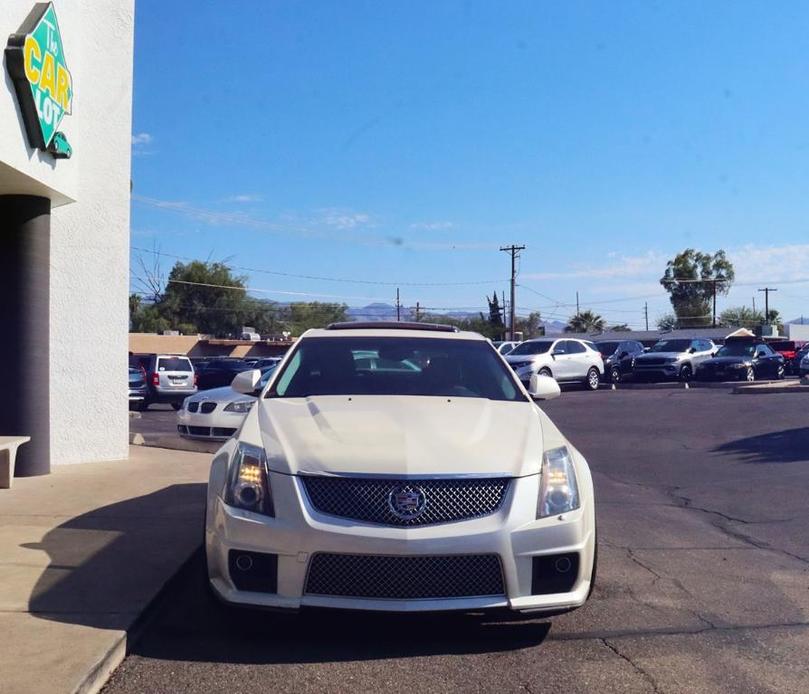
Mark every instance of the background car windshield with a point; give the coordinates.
(266, 376)
(539, 347)
(607, 348)
(671, 346)
(737, 349)
(396, 366)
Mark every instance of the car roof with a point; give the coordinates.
(408, 330)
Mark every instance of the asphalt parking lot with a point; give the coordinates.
(703, 582)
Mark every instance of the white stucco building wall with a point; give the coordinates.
(89, 223)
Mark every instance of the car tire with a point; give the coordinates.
(780, 372)
(749, 374)
(615, 374)
(686, 373)
(545, 371)
(176, 406)
(593, 379)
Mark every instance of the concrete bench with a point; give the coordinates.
(8, 456)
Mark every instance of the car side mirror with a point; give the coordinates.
(543, 388)
(246, 382)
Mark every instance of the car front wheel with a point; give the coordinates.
(780, 372)
(686, 373)
(545, 372)
(749, 374)
(615, 374)
(593, 379)
(176, 406)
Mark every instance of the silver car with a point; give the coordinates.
(170, 378)
(566, 360)
(672, 359)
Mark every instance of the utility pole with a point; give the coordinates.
(754, 304)
(418, 312)
(515, 253)
(646, 314)
(767, 291)
(398, 306)
(713, 320)
(578, 312)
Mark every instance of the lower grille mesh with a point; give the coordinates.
(405, 578)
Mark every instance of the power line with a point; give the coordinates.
(322, 278)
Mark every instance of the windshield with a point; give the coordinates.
(671, 346)
(607, 348)
(538, 347)
(173, 364)
(395, 366)
(266, 375)
(737, 349)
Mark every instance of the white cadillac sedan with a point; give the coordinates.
(429, 482)
(216, 414)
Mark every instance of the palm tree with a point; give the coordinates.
(585, 322)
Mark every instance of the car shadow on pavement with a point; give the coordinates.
(195, 626)
(106, 565)
(788, 446)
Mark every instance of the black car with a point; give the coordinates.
(218, 373)
(619, 357)
(742, 360)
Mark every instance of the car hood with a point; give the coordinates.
(224, 394)
(403, 435)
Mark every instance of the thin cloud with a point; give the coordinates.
(614, 267)
(432, 226)
(344, 219)
(244, 198)
(142, 139)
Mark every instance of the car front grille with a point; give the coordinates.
(207, 407)
(652, 361)
(374, 499)
(405, 578)
(193, 406)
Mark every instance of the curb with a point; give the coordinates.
(763, 389)
(101, 672)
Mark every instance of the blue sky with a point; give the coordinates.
(405, 142)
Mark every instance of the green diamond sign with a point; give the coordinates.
(36, 63)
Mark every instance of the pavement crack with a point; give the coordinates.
(643, 673)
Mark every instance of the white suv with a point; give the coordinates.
(431, 481)
(565, 359)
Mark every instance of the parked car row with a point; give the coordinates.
(571, 360)
(170, 378)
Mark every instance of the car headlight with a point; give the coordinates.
(248, 482)
(241, 406)
(558, 489)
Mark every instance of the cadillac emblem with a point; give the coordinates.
(407, 502)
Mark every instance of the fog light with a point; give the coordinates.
(244, 562)
(563, 565)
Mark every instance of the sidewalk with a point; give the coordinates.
(82, 552)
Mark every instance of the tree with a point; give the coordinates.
(205, 296)
(693, 280)
(496, 316)
(314, 314)
(666, 322)
(585, 322)
(619, 328)
(744, 317)
(531, 326)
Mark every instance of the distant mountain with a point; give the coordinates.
(803, 320)
(553, 327)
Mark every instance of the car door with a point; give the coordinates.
(560, 366)
(578, 360)
(767, 361)
(702, 352)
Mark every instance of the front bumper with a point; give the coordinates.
(657, 372)
(299, 532)
(215, 426)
